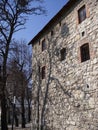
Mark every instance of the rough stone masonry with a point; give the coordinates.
(65, 78)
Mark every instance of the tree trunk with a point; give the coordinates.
(3, 113)
(9, 116)
(38, 116)
(29, 113)
(23, 113)
(16, 120)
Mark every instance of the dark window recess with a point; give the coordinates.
(83, 33)
(43, 72)
(43, 45)
(52, 33)
(63, 54)
(82, 14)
(87, 86)
(39, 42)
(85, 55)
(60, 23)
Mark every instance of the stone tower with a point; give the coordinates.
(65, 69)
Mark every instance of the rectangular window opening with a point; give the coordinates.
(43, 72)
(63, 54)
(85, 55)
(43, 45)
(52, 33)
(82, 14)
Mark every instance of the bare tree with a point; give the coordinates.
(21, 71)
(29, 101)
(12, 18)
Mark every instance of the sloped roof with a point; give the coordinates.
(65, 8)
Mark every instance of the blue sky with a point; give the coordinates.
(36, 23)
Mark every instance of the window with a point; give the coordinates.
(39, 42)
(64, 30)
(82, 14)
(60, 23)
(84, 49)
(43, 45)
(63, 54)
(83, 33)
(43, 72)
(52, 33)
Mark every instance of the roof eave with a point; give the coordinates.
(65, 8)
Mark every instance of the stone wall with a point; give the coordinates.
(72, 85)
(28, 128)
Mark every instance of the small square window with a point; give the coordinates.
(83, 33)
(43, 72)
(85, 55)
(43, 45)
(82, 14)
(63, 54)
